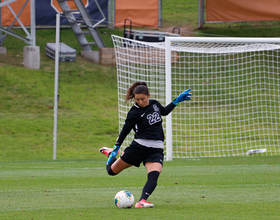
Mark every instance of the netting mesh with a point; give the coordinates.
(236, 99)
(137, 62)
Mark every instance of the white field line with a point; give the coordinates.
(100, 168)
(116, 188)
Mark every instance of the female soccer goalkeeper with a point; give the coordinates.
(144, 118)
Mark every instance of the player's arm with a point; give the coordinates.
(167, 109)
(182, 97)
(125, 131)
(128, 125)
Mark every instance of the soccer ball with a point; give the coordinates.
(124, 199)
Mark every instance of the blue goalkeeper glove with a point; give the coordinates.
(113, 154)
(182, 97)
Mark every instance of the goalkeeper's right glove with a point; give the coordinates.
(114, 153)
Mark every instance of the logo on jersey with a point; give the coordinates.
(155, 108)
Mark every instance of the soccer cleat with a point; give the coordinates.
(106, 151)
(144, 204)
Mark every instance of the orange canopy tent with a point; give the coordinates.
(8, 17)
(141, 13)
(240, 10)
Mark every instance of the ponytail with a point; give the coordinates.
(136, 88)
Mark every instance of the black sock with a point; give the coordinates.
(150, 185)
(108, 167)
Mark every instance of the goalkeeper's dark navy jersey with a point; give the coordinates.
(146, 122)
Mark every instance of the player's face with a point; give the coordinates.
(142, 100)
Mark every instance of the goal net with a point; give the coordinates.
(235, 107)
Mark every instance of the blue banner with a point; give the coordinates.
(46, 14)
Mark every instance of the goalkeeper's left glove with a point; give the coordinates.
(182, 97)
(114, 153)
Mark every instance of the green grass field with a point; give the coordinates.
(209, 188)
(76, 185)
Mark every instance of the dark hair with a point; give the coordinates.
(136, 88)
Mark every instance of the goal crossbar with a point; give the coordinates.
(223, 39)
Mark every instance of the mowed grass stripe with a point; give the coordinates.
(172, 196)
(187, 189)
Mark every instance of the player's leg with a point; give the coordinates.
(153, 170)
(153, 166)
(116, 165)
(130, 157)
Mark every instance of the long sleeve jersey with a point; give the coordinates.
(146, 122)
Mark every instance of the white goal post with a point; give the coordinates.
(235, 83)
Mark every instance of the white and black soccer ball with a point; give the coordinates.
(124, 199)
